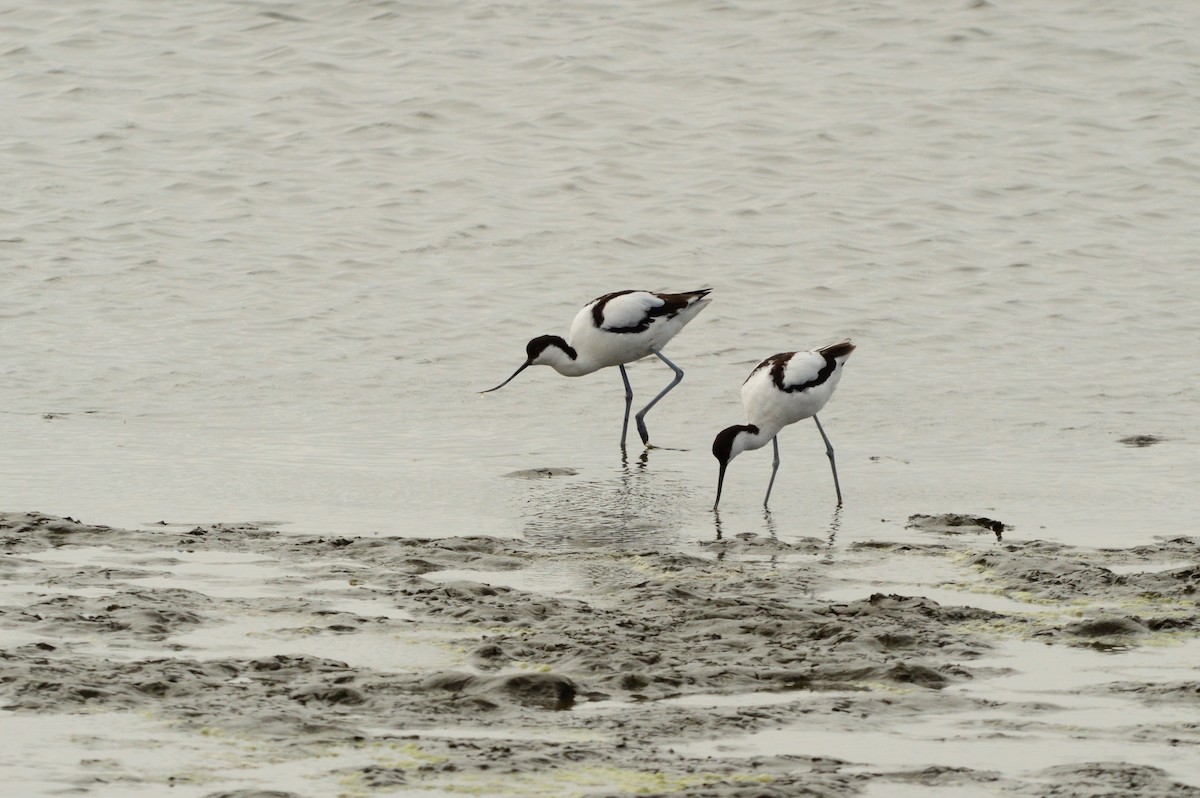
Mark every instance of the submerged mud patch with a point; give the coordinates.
(458, 683)
(1141, 441)
(957, 524)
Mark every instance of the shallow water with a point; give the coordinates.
(260, 257)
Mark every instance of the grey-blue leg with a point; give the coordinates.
(774, 468)
(832, 464)
(641, 414)
(628, 402)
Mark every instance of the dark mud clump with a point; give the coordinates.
(1141, 441)
(957, 524)
(537, 690)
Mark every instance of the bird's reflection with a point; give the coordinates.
(835, 523)
(642, 460)
(770, 528)
(769, 522)
(628, 506)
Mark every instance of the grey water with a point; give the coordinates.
(257, 258)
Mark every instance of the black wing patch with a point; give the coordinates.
(598, 311)
(672, 304)
(778, 363)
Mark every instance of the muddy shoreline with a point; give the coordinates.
(478, 664)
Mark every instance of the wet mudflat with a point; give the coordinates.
(235, 660)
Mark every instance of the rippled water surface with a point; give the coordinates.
(257, 258)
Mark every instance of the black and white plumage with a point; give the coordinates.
(782, 390)
(613, 330)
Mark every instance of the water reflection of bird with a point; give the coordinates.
(772, 529)
(613, 330)
(782, 390)
(768, 519)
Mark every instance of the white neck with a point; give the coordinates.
(749, 440)
(564, 364)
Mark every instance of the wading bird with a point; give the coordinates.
(782, 390)
(613, 330)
